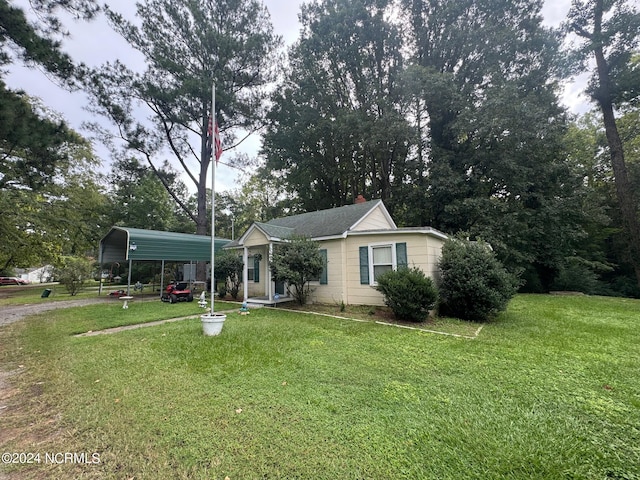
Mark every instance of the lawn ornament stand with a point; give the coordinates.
(202, 302)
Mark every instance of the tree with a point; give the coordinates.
(586, 157)
(39, 153)
(297, 262)
(338, 123)
(610, 31)
(76, 216)
(44, 167)
(139, 199)
(229, 267)
(485, 76)
(74, 273)
(35, 143)
(32, 141)
(187, 47)
(35, 44)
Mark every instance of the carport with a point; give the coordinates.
(124, 244)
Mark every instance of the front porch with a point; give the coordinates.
(258, 285)
(266, 302)
(257, 245)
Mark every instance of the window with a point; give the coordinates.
(253, 269)
(375, 259)
(383, 260)
(322, 278)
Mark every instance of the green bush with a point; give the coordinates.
(408, 292)
(74, 273)
(577, 276)
(474, 285)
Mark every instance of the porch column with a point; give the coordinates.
(245, 273)
(268, 274)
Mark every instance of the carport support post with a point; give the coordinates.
(245, 273)
(129, 278)
(162, 279)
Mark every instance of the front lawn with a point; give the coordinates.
(548, 390)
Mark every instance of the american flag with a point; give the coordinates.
(217, 145)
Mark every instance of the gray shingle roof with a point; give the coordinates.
(323, 223)
(275, 231)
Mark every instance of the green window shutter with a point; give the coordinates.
(256, 270)
(401, 255)
(364, 265)
(323, 274)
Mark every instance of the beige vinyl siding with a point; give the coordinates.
(423, 251)
(333, 291)
(256, 237)
(257, 289)
(358, 294)
(375, 220)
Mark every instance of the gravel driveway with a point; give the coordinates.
(13, 313)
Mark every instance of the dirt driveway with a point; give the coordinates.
(13, 313)
(12, 399)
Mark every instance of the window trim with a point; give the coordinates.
(252, 263)
(372, 265)
(366, 259)
(323, 278)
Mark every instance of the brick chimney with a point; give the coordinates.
(360, 199)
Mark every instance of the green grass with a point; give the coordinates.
(384, 314)
(548, 390)
(10, 295)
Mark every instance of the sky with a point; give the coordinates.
(94, 44)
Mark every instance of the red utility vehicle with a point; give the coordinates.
(177, 292)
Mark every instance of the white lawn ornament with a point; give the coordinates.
(203, 300)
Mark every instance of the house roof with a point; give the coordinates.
(124, 243)
(275, 231)
(332, 222)
(326, 223)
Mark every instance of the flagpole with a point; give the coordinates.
(213, 193)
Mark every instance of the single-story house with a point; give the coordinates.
(357, 243)
(42, 274)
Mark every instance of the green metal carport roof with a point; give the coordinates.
(124, 243)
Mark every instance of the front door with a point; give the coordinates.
(280, 287)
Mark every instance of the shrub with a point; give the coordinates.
(473, 285)
(408, 292)
(74, 273)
